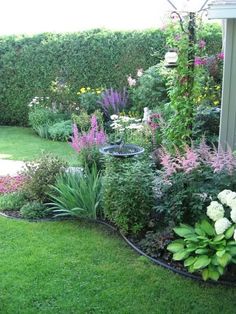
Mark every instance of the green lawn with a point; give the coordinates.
(24, 144)
(73, 267)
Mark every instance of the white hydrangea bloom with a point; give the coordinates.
(215, 211)
(233, 215)
(222, 196)
(235, 234)
(221, 225)
(231, 199)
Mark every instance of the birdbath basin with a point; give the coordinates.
(123, 150)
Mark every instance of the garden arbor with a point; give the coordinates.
(226, 10)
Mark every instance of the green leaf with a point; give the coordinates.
(232, 250)
(202, 251)
(219, 238)
(208, 228)
(183, 231)
(201, 262)
(179, 256)
(224, 259)
(205, 274)
(213, 274)
(175, 246)
(229, 233)
(220, 253)
(189, 261)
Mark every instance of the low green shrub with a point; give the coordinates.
(77, 194)
(60, 131)
(40, 174)
(128, 193)
(33, 210)
(82, 119)
(42, 116)
(12, 201)
(89, 98)
(150, 90)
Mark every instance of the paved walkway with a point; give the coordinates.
(10, 167)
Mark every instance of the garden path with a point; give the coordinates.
(10, 167)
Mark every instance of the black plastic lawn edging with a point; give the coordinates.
(134, 247)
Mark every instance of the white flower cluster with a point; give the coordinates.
(36, 101)
(216, 212)
(123, 123)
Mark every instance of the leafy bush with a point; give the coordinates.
(33, 210)
(128, 193)
(40, 174)
(89, 99)
(150, 90)
(12, 201)
(60, 131)
(42, 116)
(206, 123)
(76, 194)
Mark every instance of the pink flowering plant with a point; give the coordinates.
(192, 178)
(9, 184)
(87, 144)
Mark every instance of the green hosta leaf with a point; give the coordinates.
(205, 274)
(208, 228)
(224, 259)
(191, 238)
(202, 251)
(220, 253)
(219, 238)
(184, 230)
(179, 256)
(175, 246)
(199, 230)
(229, 233)
(232, 250)
(189, 261)
(214, 260)
(220, 270)
(201, 262)
(213, 274)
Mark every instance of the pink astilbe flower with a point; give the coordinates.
(94, 137)
(201, 44)
(223, 160)
(190, 160)
(169, 162)
(220, 55)
(204, 151)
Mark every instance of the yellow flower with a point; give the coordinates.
(88, 88)
(83, 90)
(206, 88)
(78, 93)
(98, 92)
(217, 87)
(216, 102)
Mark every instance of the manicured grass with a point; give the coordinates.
(24, 144)
(73, 267)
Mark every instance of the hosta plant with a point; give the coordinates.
(202, 250)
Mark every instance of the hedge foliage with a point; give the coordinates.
(29, 65)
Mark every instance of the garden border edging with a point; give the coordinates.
(135, 248)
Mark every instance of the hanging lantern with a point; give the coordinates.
(171, 58)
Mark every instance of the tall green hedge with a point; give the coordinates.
(28, 65)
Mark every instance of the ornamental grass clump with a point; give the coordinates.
(210, 246)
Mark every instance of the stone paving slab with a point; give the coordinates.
(10, 167)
